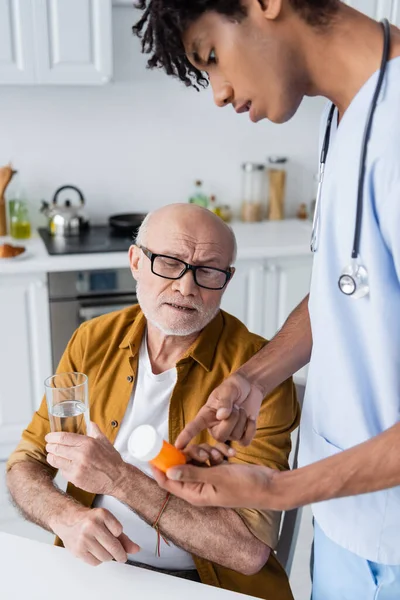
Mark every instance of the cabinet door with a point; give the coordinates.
(25, 357)
(73, 41)
(243, 296)
(287, 282)
(16, 42)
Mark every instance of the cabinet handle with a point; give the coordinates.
(272, 268)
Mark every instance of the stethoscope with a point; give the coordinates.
(353, 281)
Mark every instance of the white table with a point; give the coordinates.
(38, 571)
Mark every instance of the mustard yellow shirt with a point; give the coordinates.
(107, 349)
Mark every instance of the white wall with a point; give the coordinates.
(141, 141)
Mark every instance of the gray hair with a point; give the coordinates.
(140, 238)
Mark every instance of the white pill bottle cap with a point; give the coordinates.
(145, 443)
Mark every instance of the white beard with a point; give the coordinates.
(205, 316)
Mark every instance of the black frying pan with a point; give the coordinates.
(126, 223)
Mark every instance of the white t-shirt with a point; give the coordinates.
(149, 404)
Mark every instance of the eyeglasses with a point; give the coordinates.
(169, 267)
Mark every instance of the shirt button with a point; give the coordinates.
(130, 378)
(114, 423)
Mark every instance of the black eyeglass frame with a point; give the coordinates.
(187, 267)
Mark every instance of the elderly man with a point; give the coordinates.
(157, 363)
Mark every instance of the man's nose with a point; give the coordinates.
(222, 90)
(185, 285)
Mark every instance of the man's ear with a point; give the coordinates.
(233, 271)
(135, 260)
(271, 8)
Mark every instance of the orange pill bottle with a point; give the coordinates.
(147, 445)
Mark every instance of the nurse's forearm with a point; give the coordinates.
(285, 354)
(368, 467)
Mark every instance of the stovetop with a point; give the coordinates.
(98, 238)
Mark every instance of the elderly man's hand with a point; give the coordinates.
(93, 534)
(201, 454)
(230, 413)
(89, 462)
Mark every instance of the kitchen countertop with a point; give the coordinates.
(268, 239)
(40, 571)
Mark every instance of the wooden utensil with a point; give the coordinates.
(6, 174)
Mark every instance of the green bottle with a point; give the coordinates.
(20, 226)
(198, 196)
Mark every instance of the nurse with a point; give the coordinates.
(263, 57)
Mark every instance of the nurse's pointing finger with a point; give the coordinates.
(217, 414)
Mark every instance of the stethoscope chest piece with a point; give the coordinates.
(353, 281)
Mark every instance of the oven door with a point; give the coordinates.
(67, 315)
(91, 311)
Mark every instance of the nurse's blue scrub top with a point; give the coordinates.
(353, 388)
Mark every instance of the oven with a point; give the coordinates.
(77, 296)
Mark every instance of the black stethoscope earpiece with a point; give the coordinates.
(353, 281)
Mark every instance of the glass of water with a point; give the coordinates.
(67, 398)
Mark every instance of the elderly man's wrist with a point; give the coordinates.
(124, 475)
(66, 515)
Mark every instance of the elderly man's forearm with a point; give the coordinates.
(218, 535)
(35, 494)
(285, 354)
(368, 467)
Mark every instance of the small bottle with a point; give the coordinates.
(302, 211)
(20, 225)
(146, 444)
(225, 213)
(198, 196)
(213, 206)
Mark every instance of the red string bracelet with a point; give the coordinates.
(156, 526)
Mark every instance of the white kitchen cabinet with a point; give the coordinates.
(64, 42)
(244, 295)
(264, 292)
(16, 42)
(25, 353)
(287, 282)
(73, 41)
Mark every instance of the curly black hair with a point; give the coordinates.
(164, 22)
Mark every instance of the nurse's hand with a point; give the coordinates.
(230, 486)
(230, 413)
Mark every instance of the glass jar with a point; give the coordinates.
(254, 192)
(277, 187)
(20, 227)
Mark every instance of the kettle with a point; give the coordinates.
(65, 220)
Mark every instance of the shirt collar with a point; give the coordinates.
(202, 350)
(134, 336)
